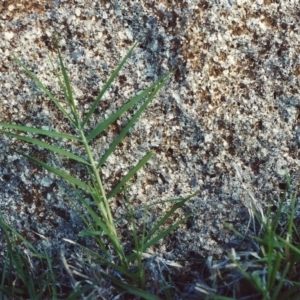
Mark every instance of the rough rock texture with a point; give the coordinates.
(234, 99)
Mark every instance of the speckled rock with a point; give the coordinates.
(234, 99)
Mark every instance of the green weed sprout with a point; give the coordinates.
(102, 221)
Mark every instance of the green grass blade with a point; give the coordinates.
(46, 146)
(165, 217)
(97, 220)
(115, 143)
(7, 228)
(96, 257)
(69, 93)
(102, 126)
(140, 272)
(3, 271)
(275, 219)
(119, 138)
(146, 207)
(40, 131)
(62, 174)
(99, 223)
(296, 249)
(88, 223)
(19, 263)
(291, 217)
(45, 90)
(51, 281)
(106, 86)
(76, 206)
(291, 293)
(163, 234)
(132, 289)
(80, 291)
(104, 227)
(146, 242)
(273, 268)
(279, 285)
(61, 84)
(130, 174)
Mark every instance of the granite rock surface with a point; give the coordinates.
(233, 105)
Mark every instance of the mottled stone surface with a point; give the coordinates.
(234, 99)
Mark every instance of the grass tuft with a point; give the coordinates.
(125, 270)
(271, 272)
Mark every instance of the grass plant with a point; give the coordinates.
(271, 271)
(128, 270)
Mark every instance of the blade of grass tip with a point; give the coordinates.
(130, 174)
(106, 86)
(45, 90)
(146, 242)
(62, 174)
(282, 280)
(61, 84)
(46, 146)
(164, 233)
(275, 219)
(129, 125)
(49, 133)
(103, 126)
(70, 97)
(165, 217)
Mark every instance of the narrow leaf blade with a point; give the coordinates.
(98, 257)
(134, 290)
(106, 86)
(60, 173)
(5, 226)
(130, 174)
(102, 126)
(115, 143)
(69, 95)
(165, 217)
(44, 89)
(46, 146)
(40, 131)
(164, 233)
